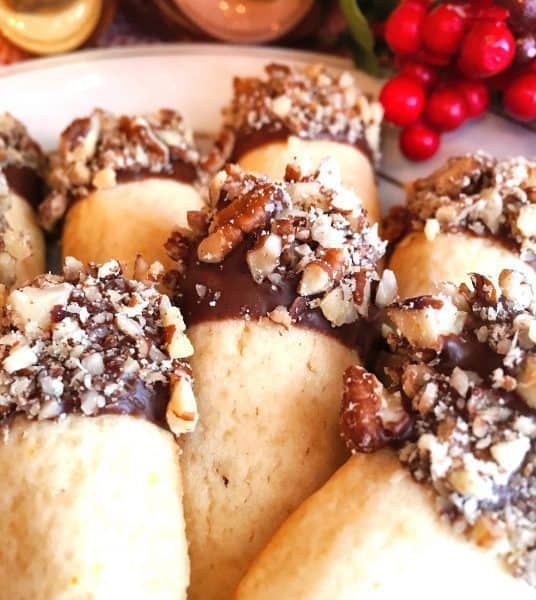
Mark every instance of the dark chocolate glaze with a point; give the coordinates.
(25, 182)
(467, 353)
(76, 131)
(137, 401)
(232, 293)
(248, 140)
(179, 170)
(140, 401)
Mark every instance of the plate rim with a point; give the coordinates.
(273, 53)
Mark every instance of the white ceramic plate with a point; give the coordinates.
(46, 94)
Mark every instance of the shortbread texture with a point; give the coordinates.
(91, 508)
(92, 374)
(372, 532)
(276, 288)
(267, 438)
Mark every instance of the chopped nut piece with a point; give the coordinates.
(337, 309)
(178, 344)
(93, 363)
(32, 306)
(181, 412)
(315, 279)
(510, 454)
(94, 151)
(307, 103)
(19, 358)
(460, 381)
(431, 229)
(215, 247)
(526, 221)
(89, 341)
(109, 269)
(370, 416)
(515, 287)
(281, 106)
(423, 327)
(129, 326)
(293, 242)
(281, 316)
(475, 193)
(264, 257)
(469, 482)
(387, 289)
(216, 183)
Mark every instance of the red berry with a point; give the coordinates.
(424, 74)
(443, 29)
(476, 96)
(403, 100)
(492, 13)
(446, 109)
(403, 27)
(520, 97)
(487, 49)
(432, 58)
(419, 141)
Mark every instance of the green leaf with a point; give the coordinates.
(362, 35)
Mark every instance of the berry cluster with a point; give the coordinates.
(449, 56)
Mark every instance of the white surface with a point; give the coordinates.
(46, 94)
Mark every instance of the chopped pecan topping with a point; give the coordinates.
(477, 193)
(17, 147)
(94, 152)
(293, 231)
(308, 103)
(91, 342)
(22, 167)
(464, 368)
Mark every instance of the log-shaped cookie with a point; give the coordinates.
(276, 295)
(308, 112)
(122, 184)
(449, 510)
(22, 247)
(474, 214)
(90, 363)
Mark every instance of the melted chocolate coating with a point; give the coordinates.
(25, 182)
(139, 401)
(232, 293)
(467, 353)
(179, 171)
(252, 139)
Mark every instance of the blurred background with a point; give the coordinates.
(446, 61)
(42, 27)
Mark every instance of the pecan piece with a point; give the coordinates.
(370, 416)
(215, 247)
(176, 246)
